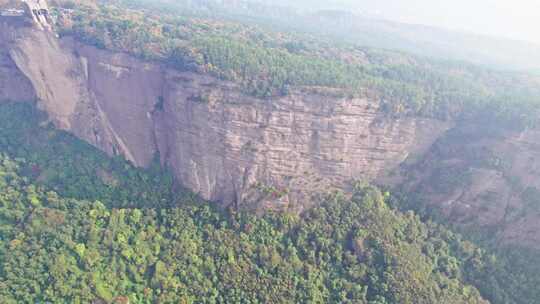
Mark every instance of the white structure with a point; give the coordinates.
(39, 11)
(12, 13)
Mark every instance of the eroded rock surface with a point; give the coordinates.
(219, 142)
(275, 153)
(488, 178)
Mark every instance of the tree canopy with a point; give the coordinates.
(77, 226)
(267, 63)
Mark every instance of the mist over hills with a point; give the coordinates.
(435, 42)
(366, 27)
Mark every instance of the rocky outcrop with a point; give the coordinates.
(223, 143)
(220, 143)
(485, 178)
(14, 86)
(274, 153)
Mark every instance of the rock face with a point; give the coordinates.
(220, 143)
(484, 178)
(13, 84)
(276, 153)
(301, 144)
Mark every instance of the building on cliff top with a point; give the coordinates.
(20, 8)
(12, 13)
(36, 10)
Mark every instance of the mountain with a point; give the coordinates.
(260, 122)
(434, 42)
(231, 119)
(365, 27)
(343, 23)
(77, 226)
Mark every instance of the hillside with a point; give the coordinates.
(184, 155)
(76, 226)
(267, 63)
(233, 118)
(360, 27)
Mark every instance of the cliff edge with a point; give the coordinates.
(262, 153)
(221, 143)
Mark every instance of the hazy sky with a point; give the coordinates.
(517, 19)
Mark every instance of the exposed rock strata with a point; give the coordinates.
(218, 141)
(233, 148)
(485, 178)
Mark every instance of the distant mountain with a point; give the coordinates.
(363, 28)
(428, 41)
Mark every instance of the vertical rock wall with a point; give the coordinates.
(219, 142)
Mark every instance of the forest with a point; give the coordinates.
(77, 226)
(268, 64)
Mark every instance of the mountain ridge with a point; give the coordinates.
(236, 148)
(369, 30)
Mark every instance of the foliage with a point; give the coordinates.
(266, 63)
(66, 235)
(71, 233)
(56, 249)
(62, 163)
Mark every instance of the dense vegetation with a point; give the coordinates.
(267, 63)
(76, 226)
(67, 250)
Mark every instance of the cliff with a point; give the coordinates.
(274, 153)
(484, 177)
(219, 142)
